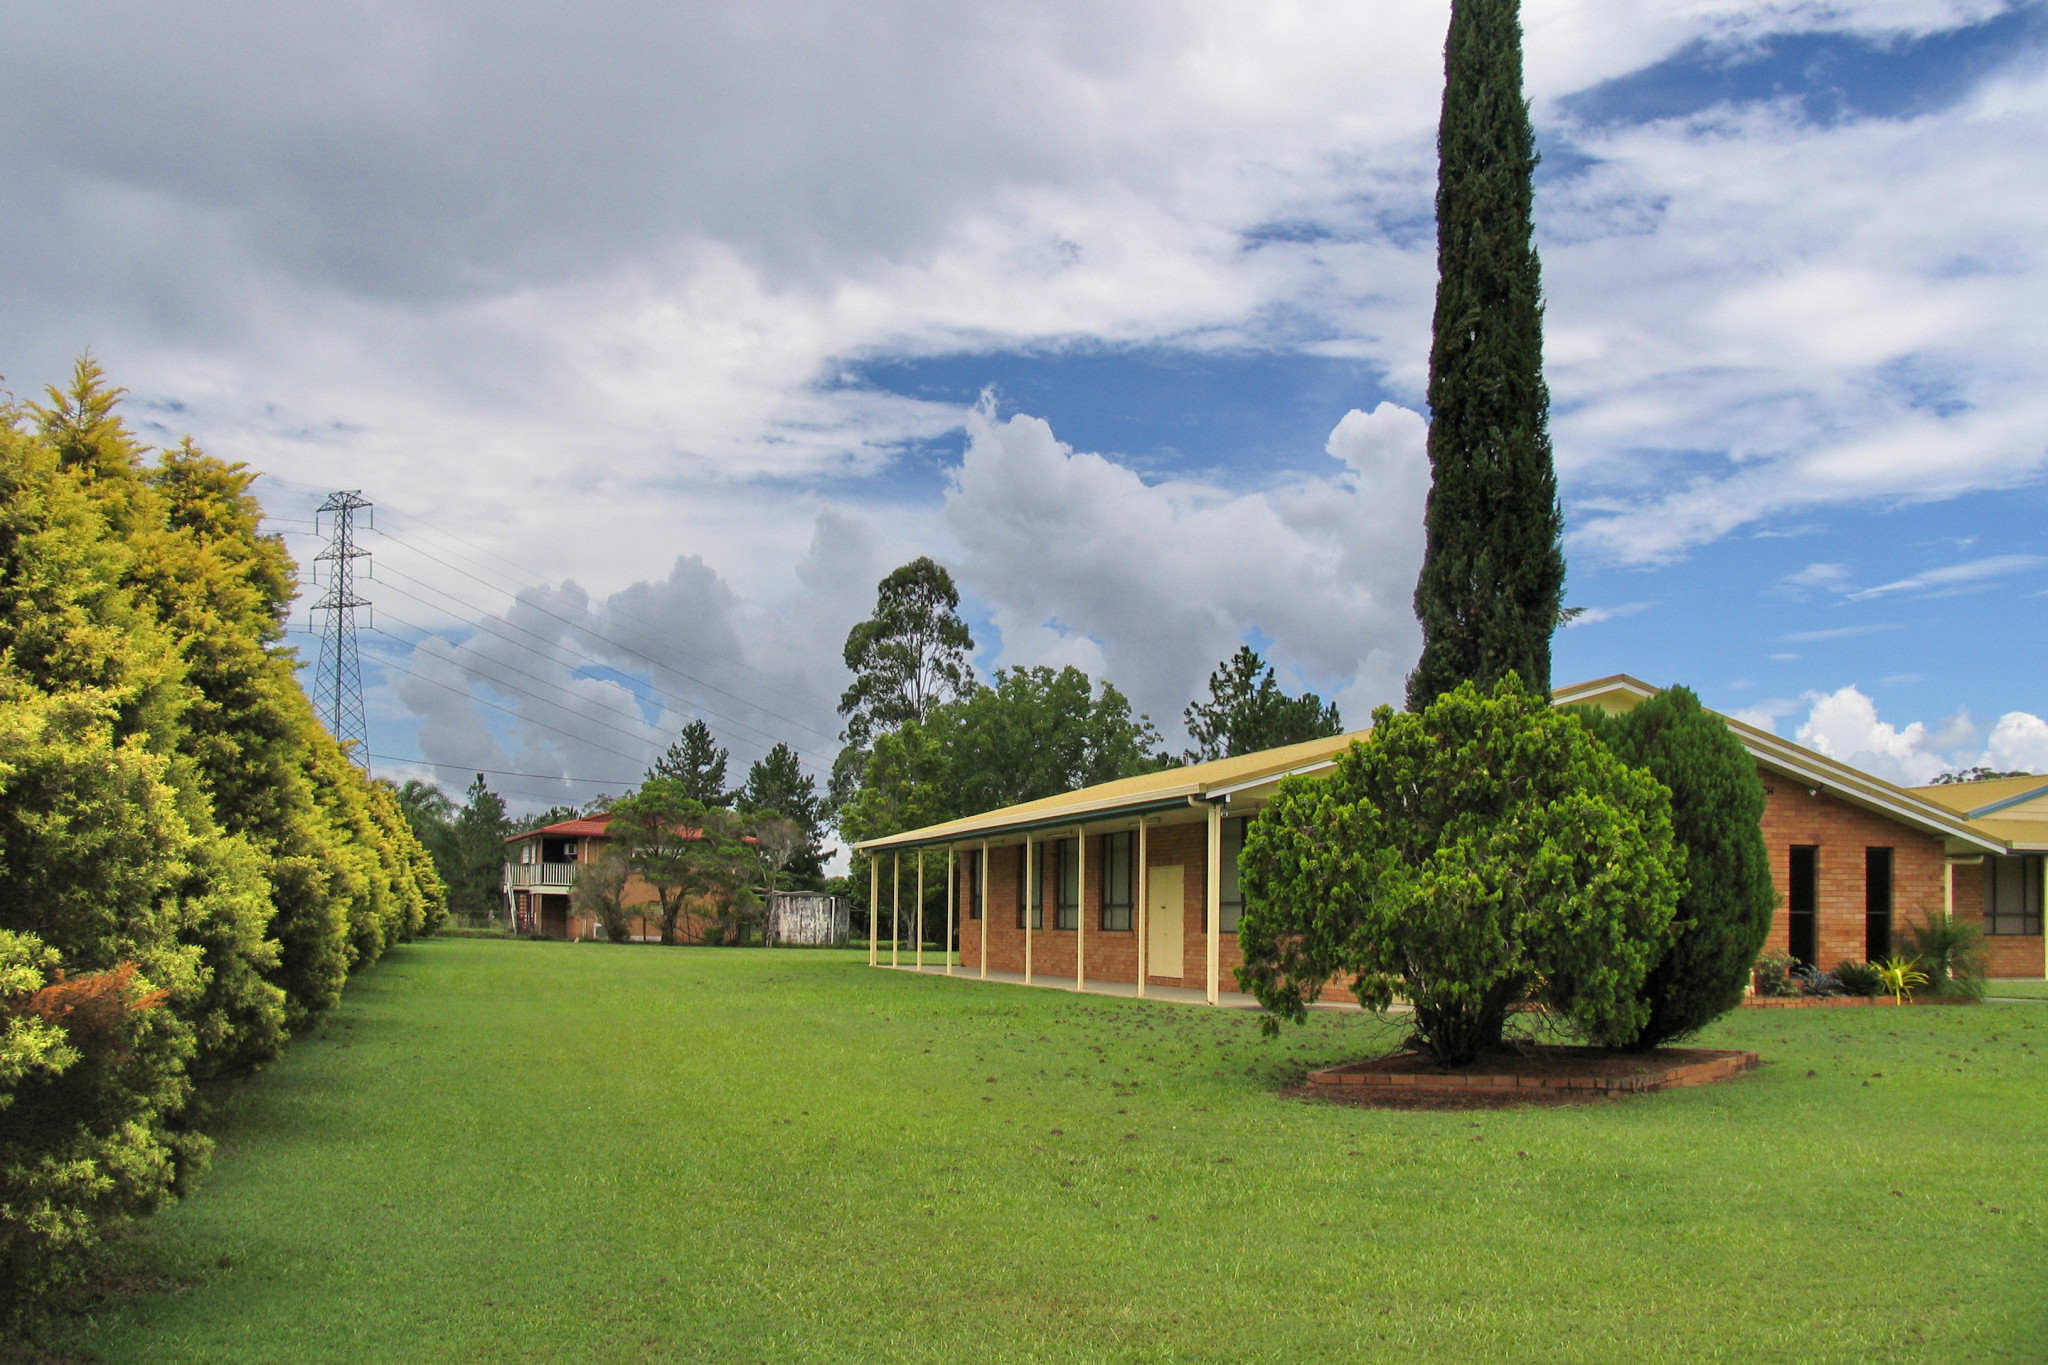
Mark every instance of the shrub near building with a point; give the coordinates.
(1482, 852)
(1717, 807)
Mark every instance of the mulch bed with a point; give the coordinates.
(1523, 1076)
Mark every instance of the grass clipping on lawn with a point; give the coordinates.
(528, 1151)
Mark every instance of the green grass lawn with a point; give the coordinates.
(2018, 990)
(535, 1152)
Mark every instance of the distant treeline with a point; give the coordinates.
(192, 866)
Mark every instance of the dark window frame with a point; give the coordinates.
(1024, 888)
(977, 883)
(2013, 912)
(1230, 899)
(1802, 924)
(1879, 879)
(1064, 855)
(1119, 904)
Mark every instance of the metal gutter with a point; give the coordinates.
(1093, 815)
(1225, 793)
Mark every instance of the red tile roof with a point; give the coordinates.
(594, 827)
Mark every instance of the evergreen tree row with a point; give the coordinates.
(194, 867)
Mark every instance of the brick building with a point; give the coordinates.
(1135, 881)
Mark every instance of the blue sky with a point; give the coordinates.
(657, 337)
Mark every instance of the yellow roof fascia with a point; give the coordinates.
(1214, 780)
(1621, 692)
(1616, 693)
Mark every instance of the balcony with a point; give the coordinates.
(541, 874)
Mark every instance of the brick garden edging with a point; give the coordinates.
(1711, 1065)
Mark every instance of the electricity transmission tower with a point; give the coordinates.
(338, 682)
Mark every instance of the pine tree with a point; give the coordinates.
(696, 761)
(778, 783)
(480, 830)
(1246, 712)
(1492, 577)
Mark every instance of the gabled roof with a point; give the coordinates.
(1908, 806)
(2014, 809)
(1131, 796)
(1215, 781)
(591, 827)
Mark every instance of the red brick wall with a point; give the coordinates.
(1791, 816)
(1843, 832)
(2007, 954)
(1112, 955)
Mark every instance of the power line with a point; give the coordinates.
(488, 623)
(501, 772)
(519, 569)
(599, 636)
(544, 682)
(338, 682)
(486, 701)
(711, 654)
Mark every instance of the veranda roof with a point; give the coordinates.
(1131, 796)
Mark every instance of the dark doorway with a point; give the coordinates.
(1802, 909)
(554, 916)
(1877, 904)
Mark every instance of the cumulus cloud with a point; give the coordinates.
(2019, 742)
(1844, 724)
(568, 689)
(595, 290)
(1744, 338)
(1082, 561)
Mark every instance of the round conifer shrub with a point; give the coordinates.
(1483, 853)
(1717, 807)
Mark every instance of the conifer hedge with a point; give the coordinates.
(193, 865)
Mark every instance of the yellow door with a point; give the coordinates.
(1164, 910)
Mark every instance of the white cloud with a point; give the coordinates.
(1844, 724)
(1948, 576)
(2019, 742)
(517, 694)
(1728, 301)
(1150, 584)
(1593, 616)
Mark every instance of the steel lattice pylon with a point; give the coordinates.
(338, 683)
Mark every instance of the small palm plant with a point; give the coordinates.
(1899, 976)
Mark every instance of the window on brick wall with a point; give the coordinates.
(1118, 861)
(1231, 896)
(976, 887)
(1877, 904)
(2012, 903)
(1038, 900)
(1802, 905)
(1063, 874)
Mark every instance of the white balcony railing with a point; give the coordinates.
(542, 874)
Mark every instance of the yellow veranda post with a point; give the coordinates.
(874, 904)
(952, 881)
(896, 910)
(1144, 894)
(1029, 906)
(917, 954)
(982, 871)
(1080, 908)
(1213, 918)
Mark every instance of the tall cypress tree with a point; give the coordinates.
(1493, 571)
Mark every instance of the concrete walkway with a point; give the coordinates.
(1179, 995)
